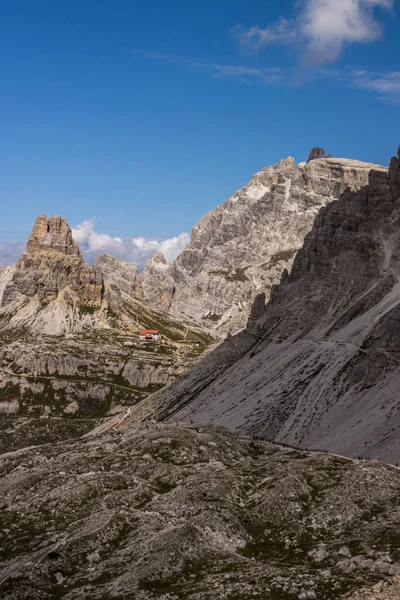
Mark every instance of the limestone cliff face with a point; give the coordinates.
(52, 233)
(155, 285)
(51, 263)
(319, 365)
(125, 276)
(157, 282)
(242, 248)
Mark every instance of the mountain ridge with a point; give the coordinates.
(318, 366)
(69, 343)
(243, 246)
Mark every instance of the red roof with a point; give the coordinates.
(149, 331)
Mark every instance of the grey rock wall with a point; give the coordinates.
(319, 366)
(243, 247)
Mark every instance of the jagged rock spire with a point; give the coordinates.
(318, 153)
(52, 233)
(53, 262)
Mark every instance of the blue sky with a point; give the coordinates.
(145, 116)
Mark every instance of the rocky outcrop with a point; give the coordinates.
(125, 276)
(191, 512)
(157, 282)
(51, 264)
(319, 367)
(317, 153)
(44, 275)
(242, 248)
(52, 233)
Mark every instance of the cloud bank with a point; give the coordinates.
(137, 250)
(387, 85)
(321, 29)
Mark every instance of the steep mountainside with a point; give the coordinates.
(157, 282)
(69, 341)
(243, 246)
(124, 276)
(319, 365)
(182, 513)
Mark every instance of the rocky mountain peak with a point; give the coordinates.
(318, 366)
(157, 282)
(54, 234)
(241, 249)
(125, 276)
(317, 153)
(159, 258)
(51, 271)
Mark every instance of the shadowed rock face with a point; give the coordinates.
(319, 366)
(189, 513)
(317, 153)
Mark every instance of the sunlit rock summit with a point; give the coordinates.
(242, 247)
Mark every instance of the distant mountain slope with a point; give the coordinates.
(243, 246)
(69, 342)
(320, 365)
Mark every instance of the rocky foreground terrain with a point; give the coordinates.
(160, 512)
(389, 590)
(242, 248)
(318, 366)
(69, 342)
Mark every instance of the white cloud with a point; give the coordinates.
(321, 28)
(387, 85)
(240, 73)
(137, 250)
